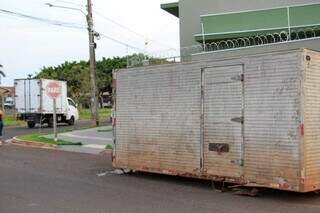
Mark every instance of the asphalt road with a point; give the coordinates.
(48, 181)
(10, 132)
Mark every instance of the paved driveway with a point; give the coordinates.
(94, 140)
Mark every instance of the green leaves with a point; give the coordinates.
(78, 77)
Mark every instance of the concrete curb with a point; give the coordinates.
(16, 141)
(106, 152)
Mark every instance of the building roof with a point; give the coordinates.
(172, 8)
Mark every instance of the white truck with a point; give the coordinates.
(35, 107)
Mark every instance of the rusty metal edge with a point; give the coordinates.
(196, 174)
(240, 181)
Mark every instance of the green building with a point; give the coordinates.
(229, 23)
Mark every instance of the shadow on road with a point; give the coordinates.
(264, 193)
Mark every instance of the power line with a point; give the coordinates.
(43, 20)
(71, 3)
(128, 29)
(106, 18)
(116, 23)
(120, 42)
(64, 24)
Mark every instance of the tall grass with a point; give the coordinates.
(104, 114)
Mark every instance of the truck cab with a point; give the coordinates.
(69, 117)
(72, 113)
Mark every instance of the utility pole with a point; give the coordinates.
(92, 46)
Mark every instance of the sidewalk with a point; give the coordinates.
(94, 140)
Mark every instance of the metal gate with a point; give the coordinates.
(223, 103)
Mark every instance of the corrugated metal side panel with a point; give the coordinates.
(158, 118)
(312, 121)
(272, 119)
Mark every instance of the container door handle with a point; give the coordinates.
(238, 119)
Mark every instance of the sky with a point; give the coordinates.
(26, 46)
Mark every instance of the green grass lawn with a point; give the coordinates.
(108, 146)
(38, 138)
(85, 114)
(11, 120)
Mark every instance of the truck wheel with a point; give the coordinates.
(31, 124)
(71, 121)
(50, 122)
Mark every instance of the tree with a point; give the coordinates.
(104, 73)
(79, 83)
(77, 74)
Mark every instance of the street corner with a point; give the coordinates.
(93, 140)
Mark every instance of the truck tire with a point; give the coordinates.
(71, 121)
(31, 124)
(50, 122)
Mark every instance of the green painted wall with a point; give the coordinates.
(247, 21)
(233, 25)
(191, 10)
(306, 15)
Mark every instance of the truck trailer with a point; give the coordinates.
(35, 106)
(252, 120)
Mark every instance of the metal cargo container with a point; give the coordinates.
(31, 96)
(252, 120)
(35, 106)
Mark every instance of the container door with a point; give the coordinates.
(27, 95)
(20, 96)
(223, 120)
(33, 96)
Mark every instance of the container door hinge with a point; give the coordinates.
(239, 77)
(237, 162)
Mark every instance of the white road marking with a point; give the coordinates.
(86, 137)
(94, 146)
(116, 172)
(102, 174)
